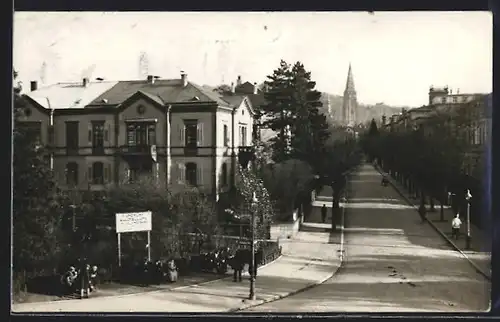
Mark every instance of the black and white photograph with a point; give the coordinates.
(264, 162)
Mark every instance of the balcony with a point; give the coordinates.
(139, 150)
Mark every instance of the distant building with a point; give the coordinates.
(110, 132)
(350, 102)
(444, 95)
(474, 112)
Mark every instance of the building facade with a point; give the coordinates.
(468, 117)
(169, 130)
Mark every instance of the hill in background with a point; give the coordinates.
(365, 112)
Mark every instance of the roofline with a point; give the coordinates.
(35, 104)
(136, 96)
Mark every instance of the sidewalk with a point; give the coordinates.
(478, 255)
(308, 259)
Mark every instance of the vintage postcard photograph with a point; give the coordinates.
(265, 162)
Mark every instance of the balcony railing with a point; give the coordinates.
(135, 149)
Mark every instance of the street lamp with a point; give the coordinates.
(468, 198)
(254, 269)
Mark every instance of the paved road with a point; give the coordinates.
(307, 259)
(393, 262)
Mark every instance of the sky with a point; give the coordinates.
(395, 56)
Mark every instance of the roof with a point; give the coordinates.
(69, 95)
(234, 100)
(162, 90)
(257, 100)
(113, 93)
(246, 88)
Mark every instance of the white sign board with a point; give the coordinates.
(133, 221)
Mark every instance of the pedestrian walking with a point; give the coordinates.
(455, 227)
(422, 212)
(323, 213)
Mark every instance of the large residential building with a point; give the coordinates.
(444, 95)
(103, 133)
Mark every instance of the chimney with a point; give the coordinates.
(184, 78)
(451, 91)
(34, 85)
(233, 88)
(255, 88)
(151, 79)
(85, 82)
(238, 81)
(458, 90)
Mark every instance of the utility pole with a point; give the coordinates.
(468, 198)
(254, 269)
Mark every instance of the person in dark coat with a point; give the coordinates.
(237, 263)
(323, 213)
(258, 260)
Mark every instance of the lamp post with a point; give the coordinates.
(251, 296)
(468, 198)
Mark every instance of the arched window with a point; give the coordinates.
(191, 174)
(224, 174)
(72, 174)
(97, 173)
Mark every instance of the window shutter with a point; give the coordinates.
(90, 133)
(89, 174)
(106, 173)
(106, 133)
(182, 173)
(182, 131)
(199, 175)
(199, 134)
(127, 176)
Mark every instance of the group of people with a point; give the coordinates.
(82, 279)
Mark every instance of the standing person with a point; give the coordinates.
(422, 212)
(84, 278)
(455, 226)
(323, 213)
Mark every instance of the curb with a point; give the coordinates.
(145, 292)
(446, 238)
(308, 287)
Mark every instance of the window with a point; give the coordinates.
(226, 135)
(191, 133)
(243, 136)
(141, 134)
(72, 137)
(98, 173)
(224, 174)
(72, 174)
(443, 99)
(97, 136)
(191, 174)
(455, 99)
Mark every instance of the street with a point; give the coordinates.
(393, 262)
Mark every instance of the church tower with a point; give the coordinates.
(350, 103)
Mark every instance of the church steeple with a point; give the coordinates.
(350, 103)
(349, 86)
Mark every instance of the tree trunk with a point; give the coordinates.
(432, 209)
